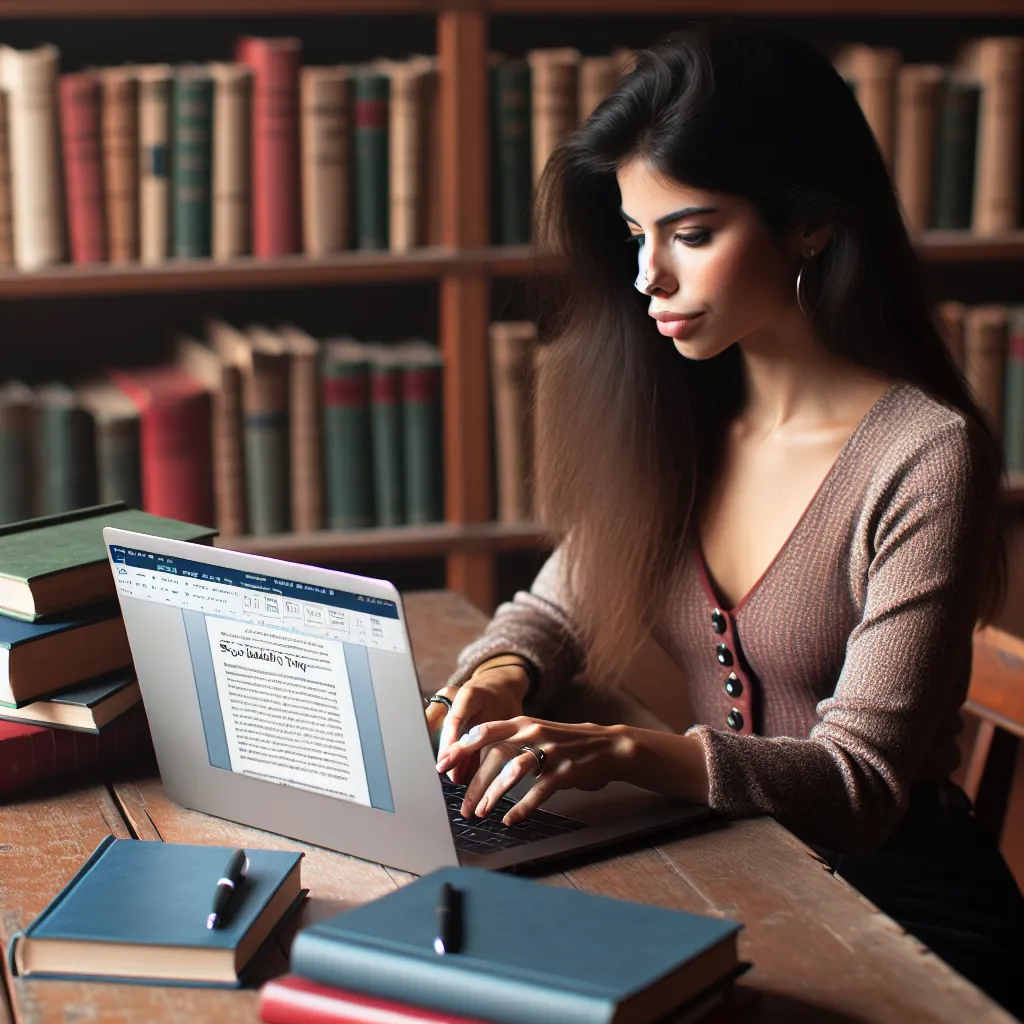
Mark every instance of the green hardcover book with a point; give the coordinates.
(513, 174)
(387, 438)
(1013, 404)
(955, 151)
(17, 414)
(372, 173)
(56, 563)
(348, 460)
(191, 174)
(118, 459)
(65, 451)
(423, 435)
(265, 432)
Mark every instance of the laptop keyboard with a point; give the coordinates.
(489, 835)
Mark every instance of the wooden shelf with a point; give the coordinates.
(249, 273)
(437, 540)
(206, 8)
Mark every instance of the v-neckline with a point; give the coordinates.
(710, 587)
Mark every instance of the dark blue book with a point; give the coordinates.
(530, 953)
(136, 912)
(83, 708)
(37, 659)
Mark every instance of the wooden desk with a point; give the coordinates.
(821, 953)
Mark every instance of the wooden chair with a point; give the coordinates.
(996, 698)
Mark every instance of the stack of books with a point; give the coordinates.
(69, 700)
(517, 952)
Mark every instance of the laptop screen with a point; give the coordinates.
(281, 669)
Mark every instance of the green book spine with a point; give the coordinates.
(955, 155)
(118, 462)
(371, 160)
(192, 124)
(348, 444)
(266, 472)
(424, 455)
(513, 167)
(15, 457)
(66, 459)
(1013, 405)
(386, 415)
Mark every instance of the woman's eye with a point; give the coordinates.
(694, 237)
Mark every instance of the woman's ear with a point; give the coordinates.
(815, 238)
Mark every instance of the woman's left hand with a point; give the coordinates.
(575, 756)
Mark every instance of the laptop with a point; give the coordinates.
(285, 697)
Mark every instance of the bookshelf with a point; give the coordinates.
(464, 265)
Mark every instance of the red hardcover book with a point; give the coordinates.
(175, 442)
(293, 1000)
(32, 755)
(275, 142)
(83, 167)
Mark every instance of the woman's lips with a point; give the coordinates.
(677, 326)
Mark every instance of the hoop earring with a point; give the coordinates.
(799, 281)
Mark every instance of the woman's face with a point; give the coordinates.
(714, 275)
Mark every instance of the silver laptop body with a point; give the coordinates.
(285, 697)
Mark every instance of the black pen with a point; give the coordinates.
(238, 865)
(449, 920)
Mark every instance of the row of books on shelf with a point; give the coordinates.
(256, 431)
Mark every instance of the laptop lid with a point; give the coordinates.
(283, 696)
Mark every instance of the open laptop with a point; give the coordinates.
(284, 696)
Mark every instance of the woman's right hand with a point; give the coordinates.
(491, 695)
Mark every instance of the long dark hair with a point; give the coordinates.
(627, 429)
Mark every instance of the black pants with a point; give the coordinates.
(947, 884)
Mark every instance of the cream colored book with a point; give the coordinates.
(6, 226)
(554, 100)
(325, 126)
(232, 197)
(598, 78)
(873, 71)
(29, 81)
(119, 117)
(154, 109)
(917, 117)
(997, 64)
(986, 337)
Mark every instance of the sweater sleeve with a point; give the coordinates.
(536, 624)
(906, 666)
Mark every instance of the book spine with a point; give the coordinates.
(1013, 412)
(231, 152)
(348, 467)
(511, 386)
(265, 398)
(985, 340)
(952, 314)
(275, 144)
(120, 164)
(326, 134)
(386, 418)
(954, 170)
(192, 114)
(65, 468)
(6, 210)
(598, 77)
(916, 121)
(30, 80)
(371, 160)
(423, 444)
(305, 430)
(513, 173)
(462, 989)
(406, 143)
(554, 105)
(118, 461)
(15, 461)
(83, 169)
(155, 167)
(229, 454)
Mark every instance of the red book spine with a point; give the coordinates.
(275, 143)
(83, 167)
(294, 1000)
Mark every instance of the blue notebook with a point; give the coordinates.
(530, 953)
(136, 911)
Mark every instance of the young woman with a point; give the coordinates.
(757, 448)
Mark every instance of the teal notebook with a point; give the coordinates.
(530, 953)
(136, 912)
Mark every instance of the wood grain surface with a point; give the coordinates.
(819, 951)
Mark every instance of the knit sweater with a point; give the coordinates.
(834, 685)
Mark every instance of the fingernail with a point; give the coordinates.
(482, 808)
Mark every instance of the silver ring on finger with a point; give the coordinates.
(438, 698)
(538, 755)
